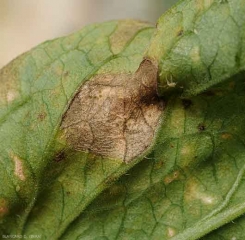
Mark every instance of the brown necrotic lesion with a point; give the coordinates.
(115, 116)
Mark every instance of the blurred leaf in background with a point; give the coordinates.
(26, 23)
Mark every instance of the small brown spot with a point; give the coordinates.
(171, 177)
(201, 127)
(186, 103)
(226, 136)
(158, 165)
(59, 156)
(180, 33)
(110, 180)
(41, 116)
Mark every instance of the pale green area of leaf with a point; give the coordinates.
(198, 44)
(36, 89)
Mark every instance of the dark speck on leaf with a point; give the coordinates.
(238, 60)
(41, 116)
(59, 156)
(186, 103)
(180, 33)
(201, 127)
(209, 93)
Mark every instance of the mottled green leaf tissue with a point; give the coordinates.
(124, 130)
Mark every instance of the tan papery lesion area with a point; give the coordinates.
(115, 116)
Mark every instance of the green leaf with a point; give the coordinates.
(199, 44)
(36, 162)
(191, 183)
(183, 170)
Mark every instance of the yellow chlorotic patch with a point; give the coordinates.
(11, 96)
(195, 54)
(59, 70)
(17, 188)
(226, 136)
(177, 120)
(171, 232)
(124, 32)
(201, 5)
(186, 150)
(194, 192)
(195, 31)
(207, 3)
(170, 178)
(207, 199)
(18, 170)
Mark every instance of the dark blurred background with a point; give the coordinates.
(26, 23)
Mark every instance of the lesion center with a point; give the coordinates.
(115, 116)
